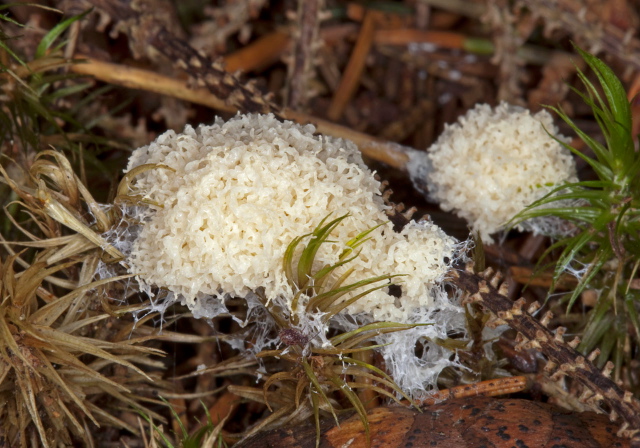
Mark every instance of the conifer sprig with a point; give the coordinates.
(604, 249)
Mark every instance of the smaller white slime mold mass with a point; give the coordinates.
(492, 163)
(240, 191)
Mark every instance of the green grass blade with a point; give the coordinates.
(316, 416)
(287, 261)
(612, 88)
(355, 402)
(376, 327)
(323, 274)
(318, 387)
(10, 52)
(65, 91)
(358, 240)
(630, 301)
(55, 32)
(594, 268)
(583, 214)
(323, 301)
(337, 308)
(368, 366)
(603, 170)
(157, 430)
(573, 246)
(318, 237)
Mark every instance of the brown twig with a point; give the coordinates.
(392, 154)
(489, 388)
(444, 39)
(527, 276)
(212, 75)
(353, 72)
(259, 54)
(148, 80)
(151, 34)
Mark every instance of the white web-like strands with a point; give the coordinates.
(412, 357)
(122, 236)
(553, 226)
(577, 268)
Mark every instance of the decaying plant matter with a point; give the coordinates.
(66, 363)
(489, 290)
(320, 366)
(609, 27)
(63, 359)
(76, 356)
(458, 423)
(155, 37)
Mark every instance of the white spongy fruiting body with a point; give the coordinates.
(238, 192)
(494, 162)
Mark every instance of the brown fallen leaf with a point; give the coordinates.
(457, 423)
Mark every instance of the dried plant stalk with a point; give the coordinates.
(60, 354)
(302, 60)
(391, 153)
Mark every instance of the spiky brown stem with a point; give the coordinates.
(212, 75)
(153, 34)
(488, 290)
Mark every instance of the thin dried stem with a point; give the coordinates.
(302, 60)
(392, 154)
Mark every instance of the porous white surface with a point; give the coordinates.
(239, 192)
(492, 163)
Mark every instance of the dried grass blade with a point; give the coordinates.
(76, 246)
(109, 419)
(29, 399)
(51, 373)
(318, 387)
(31, 279)
(215, 434)
(300, 387)
(61, 214)
(280, 376)
(49, 313)
(85, 345)
(9, 342)
(61, 174)
(71, 185)
(282, 412)
(355, 402)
